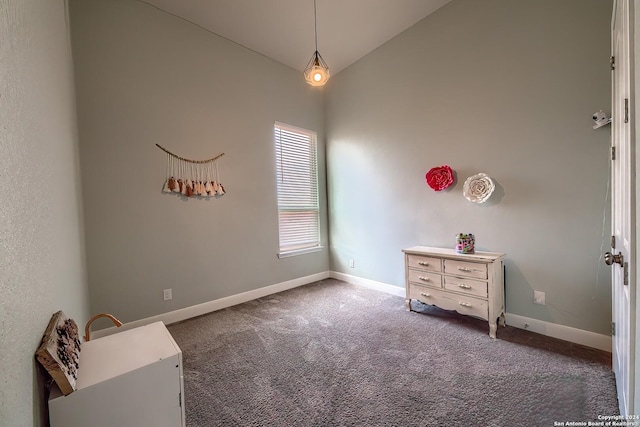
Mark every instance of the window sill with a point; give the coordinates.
(300, 252)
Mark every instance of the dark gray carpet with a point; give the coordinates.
(334, 354)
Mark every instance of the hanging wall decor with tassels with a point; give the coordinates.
(192, 178)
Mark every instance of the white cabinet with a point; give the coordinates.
(132, 378)
(471, 284)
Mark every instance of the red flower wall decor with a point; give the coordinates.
(440, 177)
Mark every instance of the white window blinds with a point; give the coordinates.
(297, 185)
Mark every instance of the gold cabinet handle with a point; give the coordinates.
(464, 269)
(425, 279)
(464, 304)
(426, 264)
(425, 294)
(463, 286)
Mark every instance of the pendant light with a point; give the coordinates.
(317, 71)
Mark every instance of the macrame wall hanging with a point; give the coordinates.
(192, 178)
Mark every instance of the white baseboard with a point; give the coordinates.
(566, 333)
(554, 330)
(218, 304)
(371, 284)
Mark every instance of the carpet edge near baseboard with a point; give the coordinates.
(214, 305)
(554, 330)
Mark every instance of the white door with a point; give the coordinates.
(622, 174)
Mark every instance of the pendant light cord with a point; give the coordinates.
(315, 23)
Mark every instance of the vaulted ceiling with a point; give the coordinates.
(284, 29)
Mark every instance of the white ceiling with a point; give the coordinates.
(283, 29)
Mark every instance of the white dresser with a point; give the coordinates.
(471, 284)
(132, 378)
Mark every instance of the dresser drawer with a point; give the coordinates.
(424, 294)
(448, 301)
(424, 263)
(467, 286)
(464, 268)
(425, 278)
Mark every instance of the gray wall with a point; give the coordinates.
(41, 255)
(505, 87)
(145, 77)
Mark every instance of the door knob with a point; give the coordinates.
(610, 258)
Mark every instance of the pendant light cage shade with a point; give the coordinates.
(317, 71)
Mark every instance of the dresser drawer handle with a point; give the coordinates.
(464, 304)
(424, 279)
(425, 294)
(463, 286)
(464, 269)
(426, 264)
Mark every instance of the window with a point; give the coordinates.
(297, 185)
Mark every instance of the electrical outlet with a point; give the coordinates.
(167, 294)
(538, 297)
(352, 263)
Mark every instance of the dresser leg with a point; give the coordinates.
(492, 329)
(407, 303)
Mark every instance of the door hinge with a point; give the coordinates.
(180, 399)
(613, 242)
(612, 63)
(625, 273)
(626, 110)
(613, 329)
(613, 153)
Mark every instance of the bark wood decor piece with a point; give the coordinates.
(59, 352)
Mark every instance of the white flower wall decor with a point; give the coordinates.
(478, 188)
